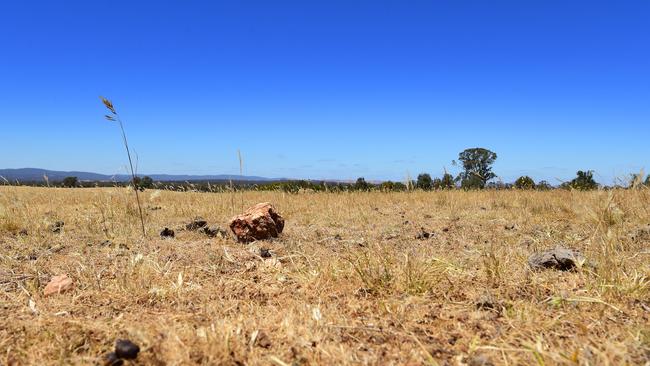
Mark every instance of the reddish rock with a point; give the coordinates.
(58, 284)
(259, 222)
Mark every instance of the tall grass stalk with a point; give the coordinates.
(115, 117)
(241, 175)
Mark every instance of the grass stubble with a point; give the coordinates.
(347, 282)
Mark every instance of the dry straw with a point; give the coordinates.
(115, 117)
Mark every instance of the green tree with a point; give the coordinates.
(399, 187)
(525, 182)
(387, 186)
(424, 182)
(70, 182)
(437, 183)
(362, 185)
(544, 185)
(584, 181)
(447, 181)
(143, 183)
(471, 182)
(647, 181)
(146, 182)
(477, 165)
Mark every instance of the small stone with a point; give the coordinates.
(265, 253)
(641, 234)
(423, 234)
(259, 222)
(111, 359)
(196, 224)
(214, 231)
(106, 243)
(510, 226)
(57, 227)
(486, 302)
(126, 349)
(23, 232)
(167, 233)
(263, 340)
(58, 284)
(561, 259)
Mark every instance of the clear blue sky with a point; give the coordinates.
(327, 89)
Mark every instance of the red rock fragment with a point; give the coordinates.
(259, 222)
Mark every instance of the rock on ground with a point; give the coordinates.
(196, 224)
(167, 233)
(559, 258)
(213, 231)
(642, 234)
(58, 284)
(57, 227)
(259, 222)
(126, 349)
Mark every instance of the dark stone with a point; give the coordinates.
(23, 232)
(561, 259)
(111, 359)
(213, 231)
(196, 224)
(263, 340)
(167, 233)
(486, 302)
(57, 227)
(265, 253)
(126, 349)
(423, 234)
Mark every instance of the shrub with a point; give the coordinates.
(424, 182)
(583, 181)
(544, 185)
(525, 182)
(70, 182)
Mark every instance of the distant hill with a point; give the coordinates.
(37, 175)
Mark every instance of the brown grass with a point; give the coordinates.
(348, 283)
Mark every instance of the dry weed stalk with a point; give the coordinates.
(113, 118)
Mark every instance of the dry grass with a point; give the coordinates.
(348, 283)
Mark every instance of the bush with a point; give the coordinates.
(544, 185)
(525, 182)
(583, 181)
(362, 185)
(424, 182)
(70, 182)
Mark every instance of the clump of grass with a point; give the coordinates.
(115, 117)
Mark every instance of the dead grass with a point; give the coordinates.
(348, 282)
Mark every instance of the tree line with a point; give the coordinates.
(476, 173)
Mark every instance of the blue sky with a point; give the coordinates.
(327, 89)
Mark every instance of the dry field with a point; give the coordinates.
(348, 283)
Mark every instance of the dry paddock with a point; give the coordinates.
(348, 283)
